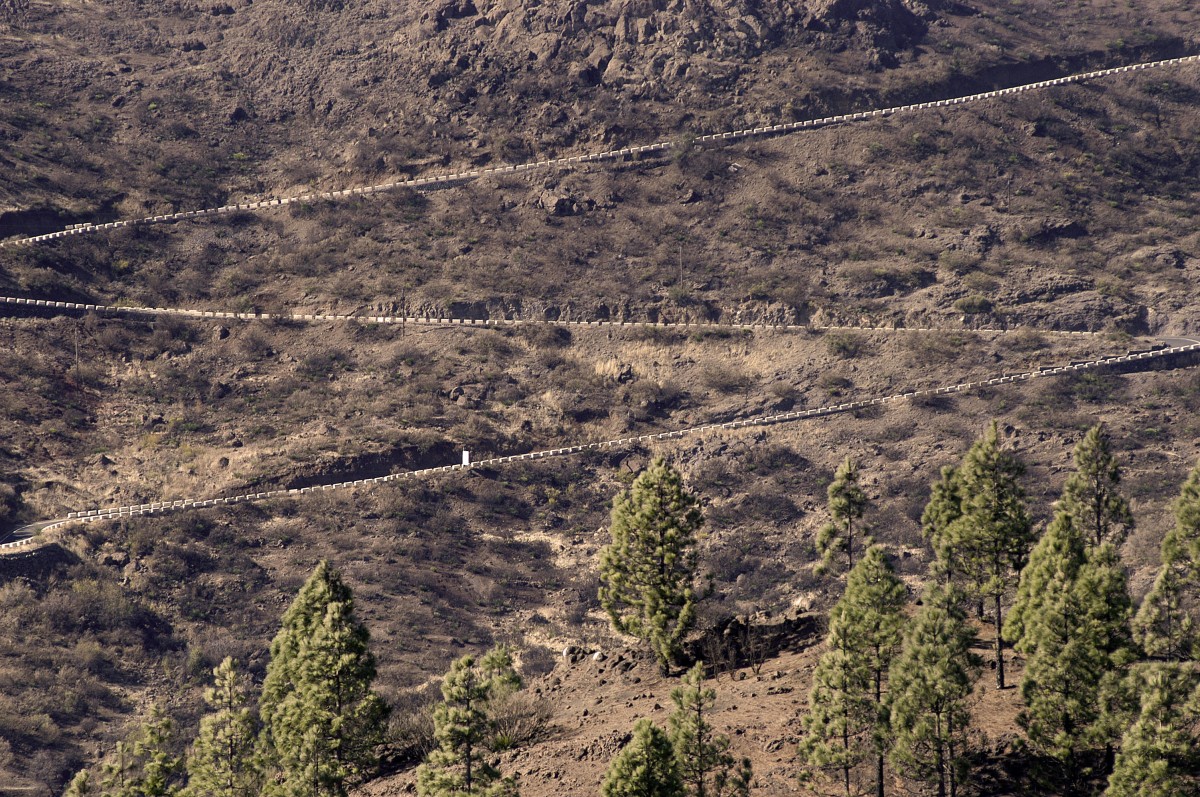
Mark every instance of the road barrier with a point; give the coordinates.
(486, 323)
(158, 508)
(440, 181)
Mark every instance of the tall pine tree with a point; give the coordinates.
(1165, 625)
(322, 722)
(1158, 756)
(1057, 556)
(119, 772)
(1079, 643)
(1091, 494)
(847, 720)
(989, 543)
(646, 767)
(931, 681)
(874, 612)
(944, 507)
(222, 761)
(847, 503)
(648, 572)
(460, 765)
(145, 766)
(705, 763)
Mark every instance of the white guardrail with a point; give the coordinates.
(138, 510)
(437, 181)
(424, 321)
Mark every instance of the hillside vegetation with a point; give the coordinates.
(1069, 208)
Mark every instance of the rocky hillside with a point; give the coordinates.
(1065, 209)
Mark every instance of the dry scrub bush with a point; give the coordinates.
(725, 378)
(410, 733)
(519, 718)
(935, 348)
(846, 345)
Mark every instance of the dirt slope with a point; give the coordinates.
(1065, 209)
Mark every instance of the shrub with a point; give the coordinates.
(973, 305)
(519, 718)
(725, 378)
(845, 344)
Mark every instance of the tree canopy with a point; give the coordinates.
(847, 719)
(223, 761)
(847, 503)
(1165, 622)
(989, 542)
(705, 764)
(322, 722)
(648, 571)
(931, 682)
(460, 765)
(646, 767)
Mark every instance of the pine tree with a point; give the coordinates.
(847, 718)
(1165, 623)
(847, 503)
(1182, 544)
(118, 773)
(840, 718)
(307, 611)
(874, 614)
(931, 680)
(1158, 755)
(222, 762)
(145, 766)
(1078, 638)
(80, 785)
(944, 507)
(498, 668)
(646, 767)
(461, 726)
(648, 572)
(1164, 627)
(990, 541)
(322, 722)
(1091, 493)
(160, 767)
(705, 763)
(1057, 556)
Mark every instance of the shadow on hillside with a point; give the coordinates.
(749, 641)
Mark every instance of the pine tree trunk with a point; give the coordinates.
(846, 768)
(850, 542)
(941, 770)
(879, 756)
(701, 743)
(999, 646)
(950, 750)
(467, 776)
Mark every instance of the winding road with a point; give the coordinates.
(31, 534)
(436, 182)
(142, 313)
